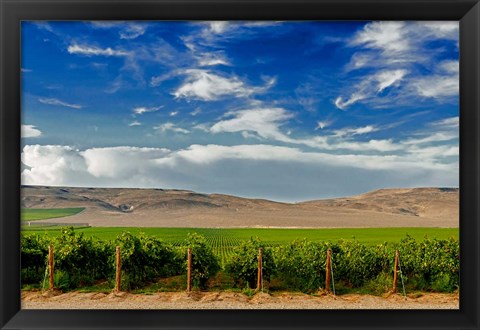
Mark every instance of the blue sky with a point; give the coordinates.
(287, 111)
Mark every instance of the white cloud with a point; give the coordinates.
(342, 104)
(135, 123)
(196, 112)
(173, 113)
(441, 29)
(451, 122)
(95, 51)
(207, 86)
(444, 83)
(323, 124)
(315, 174)
(53, 101)
(142, 110)
(263, 121)
(113, 162)
(404, 52)
(432, 137)
(53, 165)
(388, 78)
(371, 87)
(387, 36)
(126, 30)
(218, 26)
(171, 127)
(211, 59)
(133, 31)
(350, 131)
(23, 70)
(29, 131)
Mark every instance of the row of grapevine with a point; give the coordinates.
(430, 264)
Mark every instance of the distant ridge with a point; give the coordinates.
(402, 207)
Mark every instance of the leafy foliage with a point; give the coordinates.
(430, 264)
(144, 258)
(34, 252)
(83, 259)
(205, 264)
(301, 264)
(243, 264)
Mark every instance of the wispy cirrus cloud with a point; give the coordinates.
(170, 127)
(126, 30)
(208, 86)
(370, 88)
(95, 51)
(351, 131)
(403, 52)
(142, 110)
(135, 123)
(53, 101)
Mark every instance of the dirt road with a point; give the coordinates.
(233, 300)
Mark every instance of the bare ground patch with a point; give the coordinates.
(234, 300)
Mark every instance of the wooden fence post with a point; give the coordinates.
(328, 268)
(394, 289)
(50, 266)
(189, 270)
(118, 274)
(260, 270)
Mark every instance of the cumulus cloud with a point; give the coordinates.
(29, 131)
(95, 51)
(208, 86)
(316, 174)
(53, 101)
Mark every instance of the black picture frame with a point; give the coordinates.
(14, 11)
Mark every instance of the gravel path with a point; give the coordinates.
(232, 300)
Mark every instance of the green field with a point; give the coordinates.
(42, 214)
(275, 236)
(223, 241)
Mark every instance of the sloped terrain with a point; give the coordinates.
(415, 207)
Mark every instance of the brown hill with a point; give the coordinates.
(416, 207)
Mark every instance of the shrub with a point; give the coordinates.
(431, 264)
(83, 259)
(357, 263)
(243, 264)
(34, 253)
(205, 264)
(145, 258)
(301, 265)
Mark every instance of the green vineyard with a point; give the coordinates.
(295, 265)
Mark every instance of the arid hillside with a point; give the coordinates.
(416, 207)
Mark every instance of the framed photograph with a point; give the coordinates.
(239, 164)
